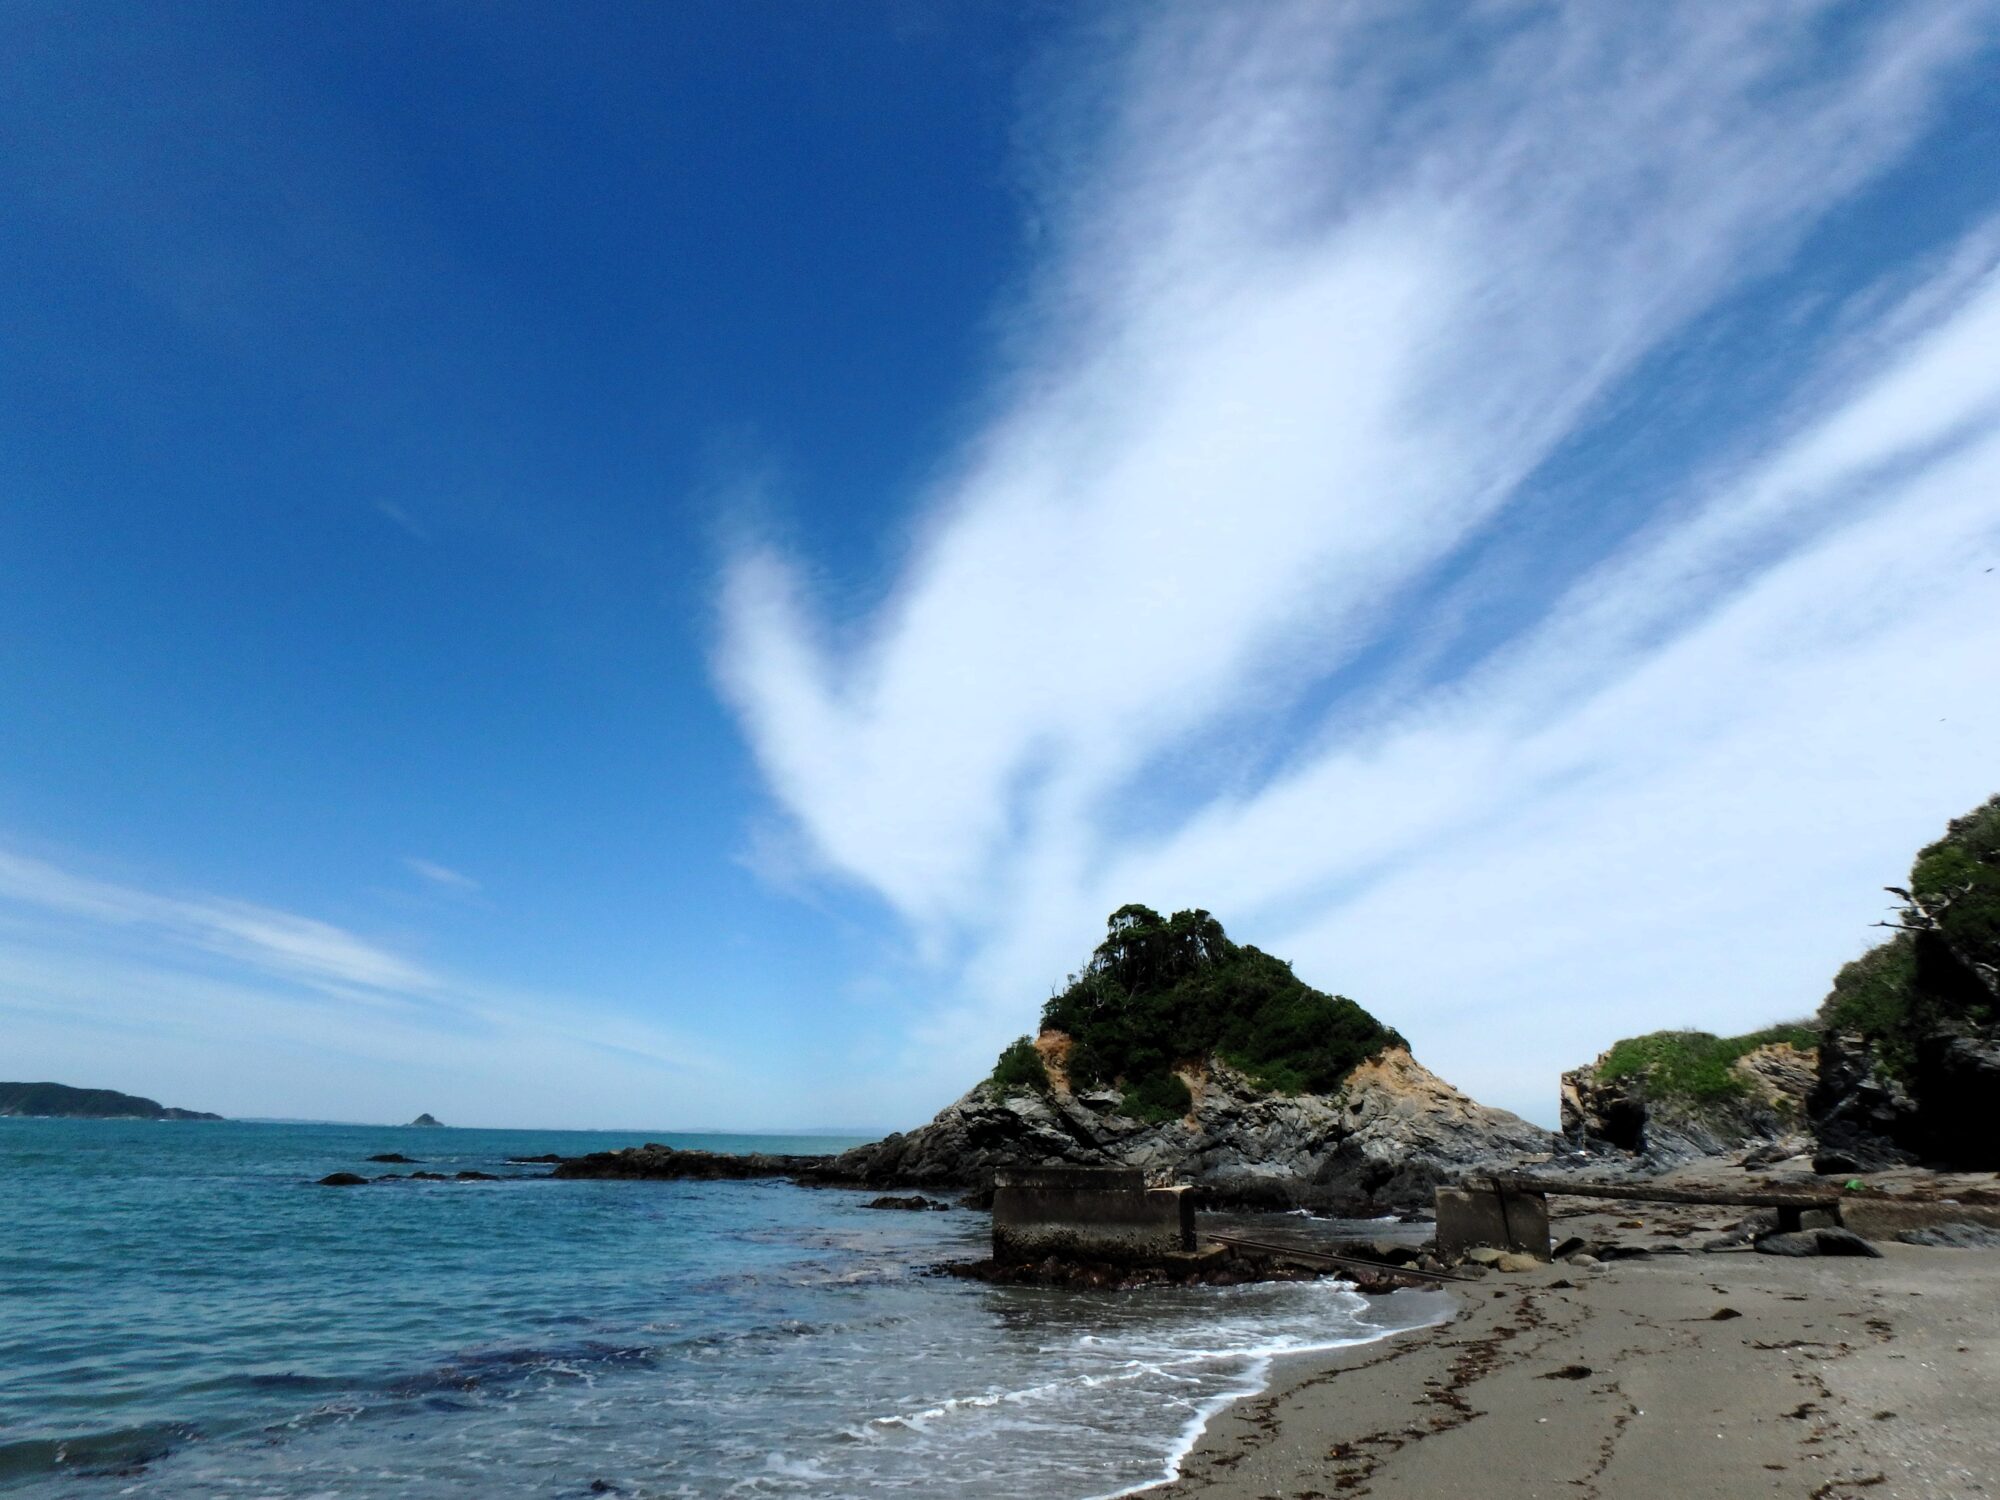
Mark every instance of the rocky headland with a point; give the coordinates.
(58, 1101)
(1900, 1065)
(1194, 1059)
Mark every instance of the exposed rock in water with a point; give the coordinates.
(1674, 1096)
(1069, 1274)
(1390, 1136)
(671, 1164)
(915, 1203)
(427, 1119)
(395, 1157)
(343, 1179)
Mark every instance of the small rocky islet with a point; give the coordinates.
(1190, 1057)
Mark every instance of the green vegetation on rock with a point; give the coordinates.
(1161, 993)
(1943, 968)
(1161, 1096)
(1694, 1065)
(1020, 1069)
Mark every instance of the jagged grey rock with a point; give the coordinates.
(1391, 1134)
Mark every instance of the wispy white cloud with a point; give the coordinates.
(401, 518)
(278, 942)
(250, 1009)
(1328, 292)
(441, 875)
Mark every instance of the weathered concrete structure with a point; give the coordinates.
(1469, 1218)
(1088, 1214)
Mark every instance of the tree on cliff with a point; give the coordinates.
(1159, 993)
(1942, 969)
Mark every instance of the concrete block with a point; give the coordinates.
(1088, 1215)
(1510, 1221)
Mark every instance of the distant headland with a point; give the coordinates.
(60, 1101)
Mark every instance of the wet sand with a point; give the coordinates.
(1720, 1374)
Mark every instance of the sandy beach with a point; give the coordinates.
(1706, 1374)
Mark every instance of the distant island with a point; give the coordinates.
(427, 1119)
(60, 1101)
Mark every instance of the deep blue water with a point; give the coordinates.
(183, 1312)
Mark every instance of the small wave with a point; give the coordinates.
(479, 1368)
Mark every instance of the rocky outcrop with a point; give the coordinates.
(1864, 1118)
(1320, 1103)
(1762, 1104)
(1937, 1108)
(428, 1120)
(1914, 1070)
(1384, 1141)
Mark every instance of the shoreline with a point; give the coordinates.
(1261, 1373)
(1696, 1375)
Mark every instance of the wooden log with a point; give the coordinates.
(1510, 1182)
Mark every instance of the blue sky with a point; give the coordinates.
(665, 566)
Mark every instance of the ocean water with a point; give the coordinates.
(183, 1312)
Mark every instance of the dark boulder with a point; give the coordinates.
(1804, 1242)
(342, 1179)
(395, 1157)
(915, 1203)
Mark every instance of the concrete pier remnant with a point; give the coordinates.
(1088, 1213)
(1467, 1218)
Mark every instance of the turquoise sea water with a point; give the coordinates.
(183, 1312)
